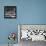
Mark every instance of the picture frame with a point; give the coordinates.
(33, 32)
(10, 12)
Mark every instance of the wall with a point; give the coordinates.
(28, 12)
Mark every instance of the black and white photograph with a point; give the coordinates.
(9, 11)
(31, 34)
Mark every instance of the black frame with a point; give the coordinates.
(10, 9)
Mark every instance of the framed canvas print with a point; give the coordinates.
(9, 11)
